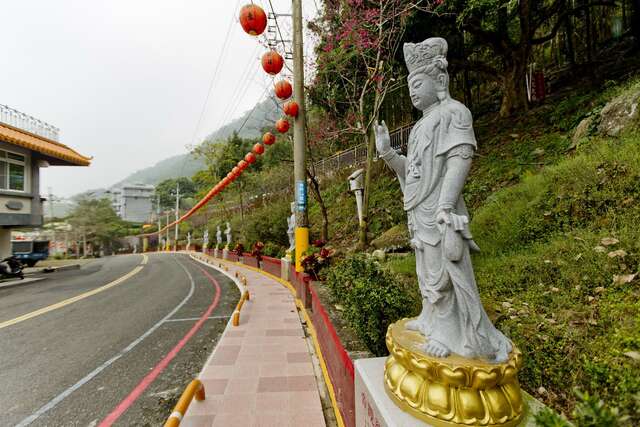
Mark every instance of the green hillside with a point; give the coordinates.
(249, 125)
(556, 218)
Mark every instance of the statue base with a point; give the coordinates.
(225, 253)
(216, 253)
(454, 390)
(285, 268)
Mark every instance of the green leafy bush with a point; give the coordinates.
(372, 298)
(273, 250)
(590, 411)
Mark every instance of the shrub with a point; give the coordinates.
(239, 249)
(273, 250)
(316, 259)
(372, 298)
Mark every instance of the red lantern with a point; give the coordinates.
(250, 158)
(272, 62)
(231, 176)
(268, 138)
(236, 171)
(242, 165)
(253, 19)
(283, 89)
(258, 148)
(291, 109)
(282, 125)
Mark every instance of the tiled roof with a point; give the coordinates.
(42, 145)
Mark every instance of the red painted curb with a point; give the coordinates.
(157, 370)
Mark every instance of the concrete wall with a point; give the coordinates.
(5, 242)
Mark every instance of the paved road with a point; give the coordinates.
(75, 346)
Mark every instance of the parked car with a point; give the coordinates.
(29, 252)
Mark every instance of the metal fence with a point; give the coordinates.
(358, 155)
(328, 166)
(28, 123)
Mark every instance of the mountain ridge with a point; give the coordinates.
(249, 125)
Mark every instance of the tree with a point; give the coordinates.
(356, 68)
(98, 223)
(508, 31)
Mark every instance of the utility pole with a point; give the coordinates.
(175, 244)
(168, 241)
(53, 229)
(159, 222)
(299, 138)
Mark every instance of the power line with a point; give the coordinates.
(212, 82)
(243, 79)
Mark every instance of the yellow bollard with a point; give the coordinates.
(236, 318)
(194, 389)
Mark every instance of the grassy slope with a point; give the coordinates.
(540, 205)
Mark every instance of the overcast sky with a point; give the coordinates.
(126, 80)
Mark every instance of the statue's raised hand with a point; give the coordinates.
(383, 140)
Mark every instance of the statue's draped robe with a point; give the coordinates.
(453, 313)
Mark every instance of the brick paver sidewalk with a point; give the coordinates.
(261, 372)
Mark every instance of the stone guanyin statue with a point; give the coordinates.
(432, 175)
(228, 233)
(291, 227)
(219, 236)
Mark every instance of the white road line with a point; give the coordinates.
(59, 398)
(192, 319)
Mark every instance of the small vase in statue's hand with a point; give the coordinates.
(383, 140)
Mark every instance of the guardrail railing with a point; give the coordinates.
(17, 119)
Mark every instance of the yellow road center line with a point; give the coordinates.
(71, 300)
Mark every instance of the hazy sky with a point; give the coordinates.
(126, 80)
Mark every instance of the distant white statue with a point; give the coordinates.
(291, 229)
(188, 240)
(205, 238)
(432, 175)
(219, 236)
(228, 233)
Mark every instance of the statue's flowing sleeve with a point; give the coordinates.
(458, 143)
(397, 162)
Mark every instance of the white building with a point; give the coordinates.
(133, 202)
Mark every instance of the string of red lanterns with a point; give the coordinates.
(250, 158)
(253, 20)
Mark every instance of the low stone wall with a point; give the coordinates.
(300, 282)
(271, 265)
(232, 256)
(339, 364)
(250, 260)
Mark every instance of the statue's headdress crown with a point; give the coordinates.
(419, 56)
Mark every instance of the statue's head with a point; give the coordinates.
(293, 207)
(428, 79)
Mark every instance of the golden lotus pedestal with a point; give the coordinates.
(451, 391)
